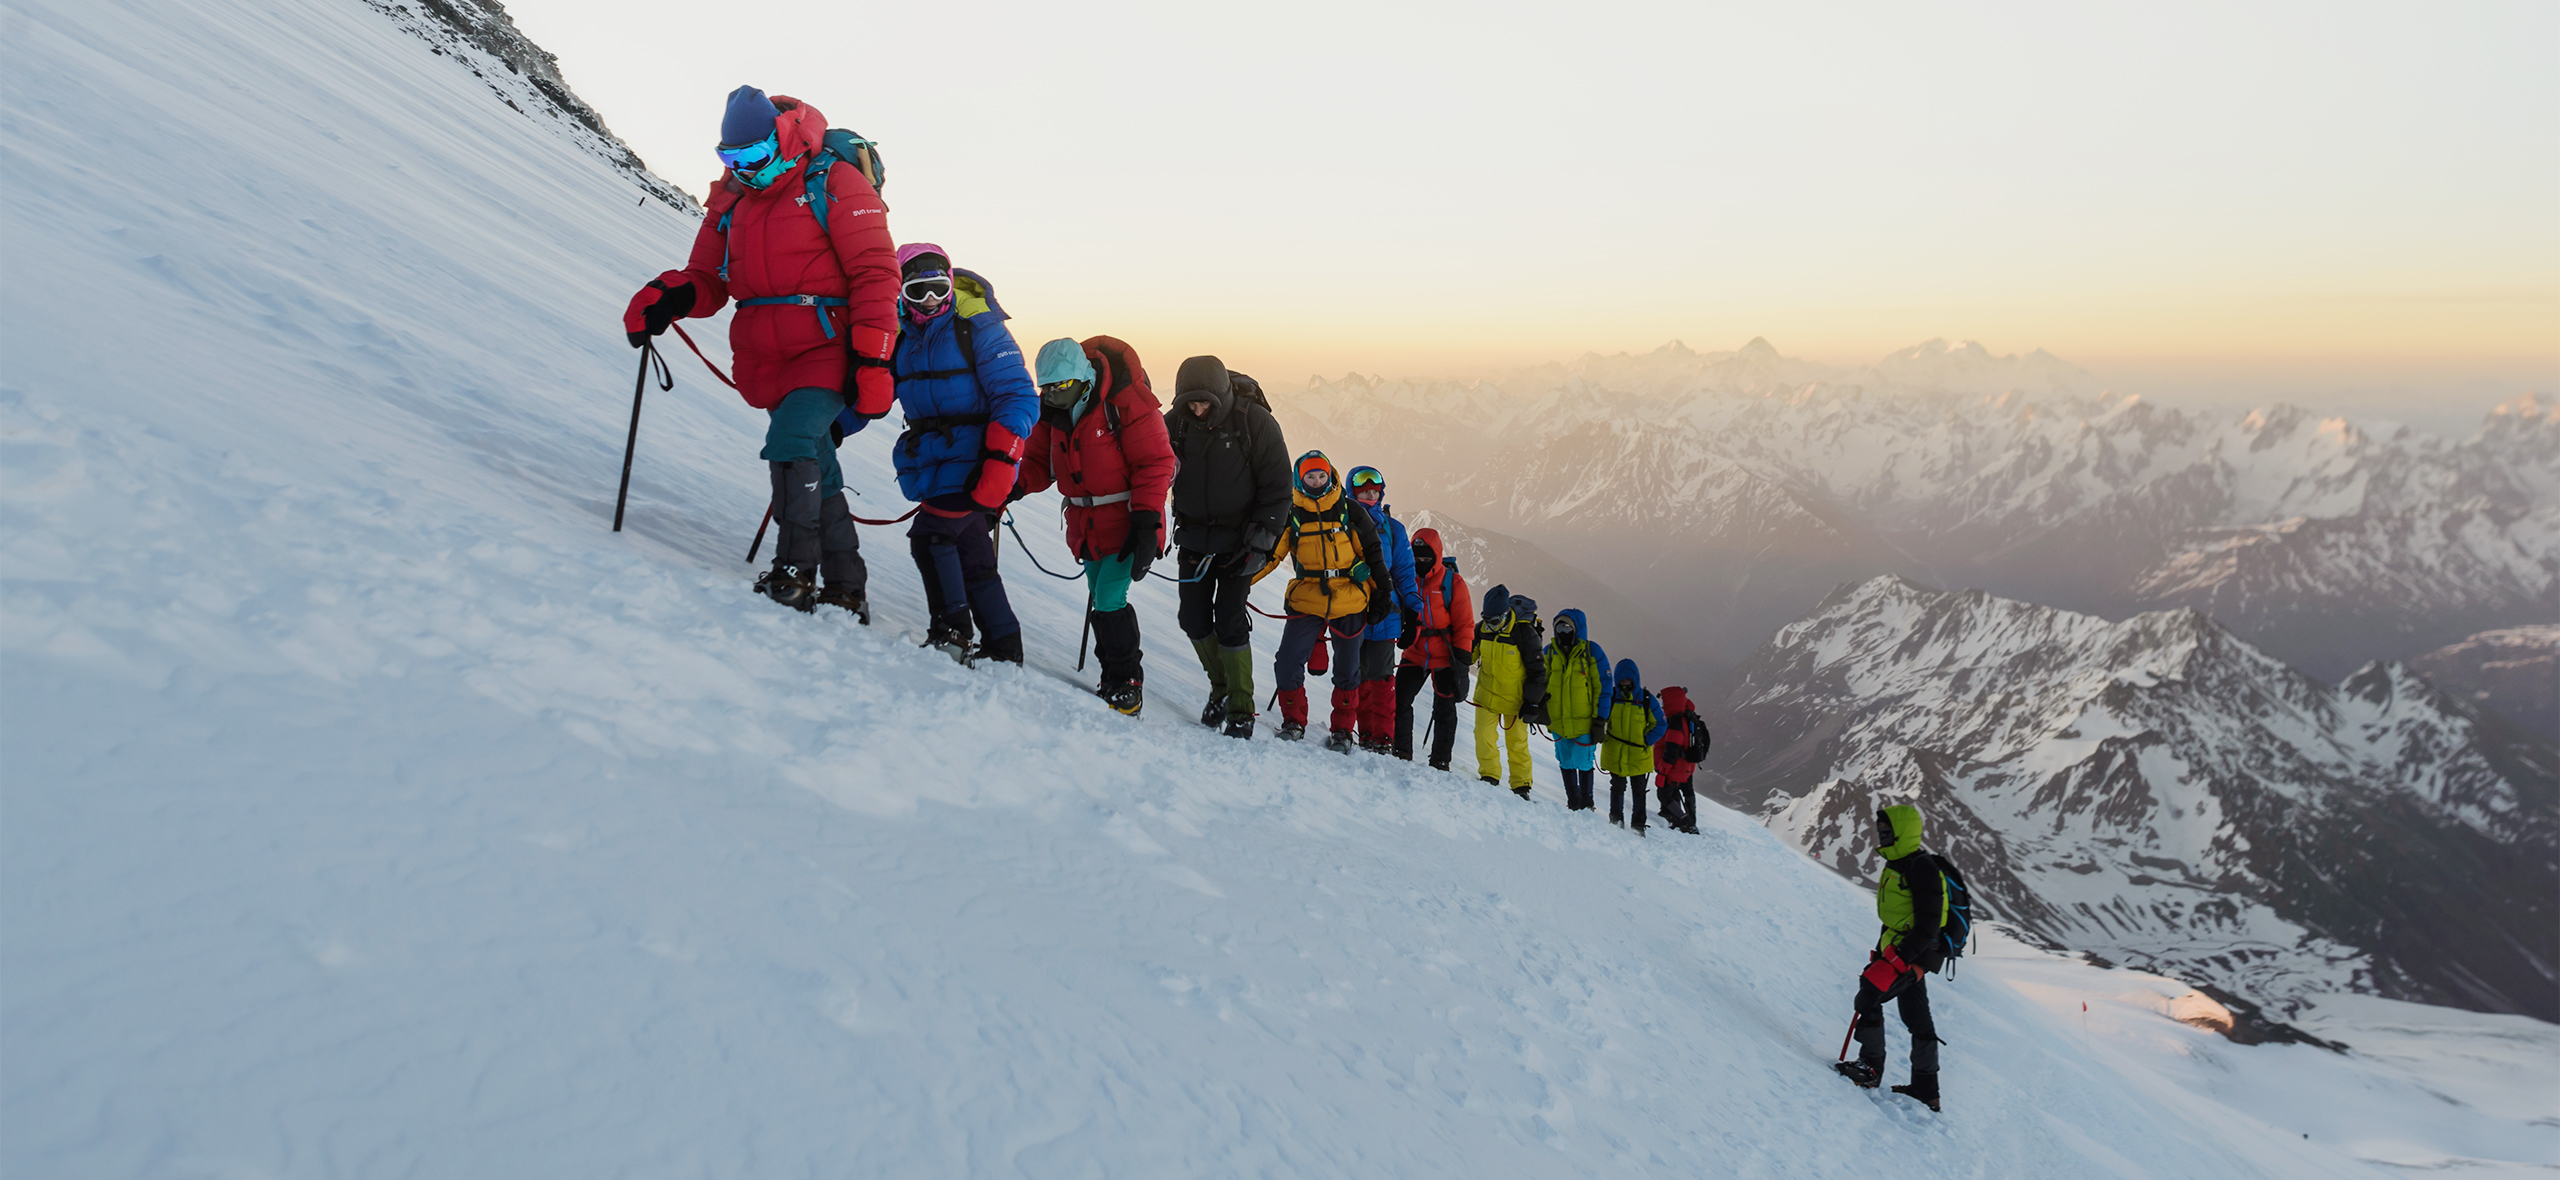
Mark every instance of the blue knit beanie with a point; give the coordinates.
(750, 117)
(1063, 359)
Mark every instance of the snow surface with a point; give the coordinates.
(372, 810)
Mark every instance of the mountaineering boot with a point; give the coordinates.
(1293, 714)
(851, 599)
(1238, 662)
(797, 506)
(1523, 792)
(1489, 780)
(1214, 662)
(1923, 1086)
(1115, 645)
(1125, 696)
(999, 631)
(1346, 711)
(1340, 741)
(1003, 649)
(840, 559)
(1866, 1076)
(949, 634)
(792, 586)
(1240, 726)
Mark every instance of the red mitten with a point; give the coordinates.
(874, 391)
(1886, 968)
(999, 463)
(664, 301)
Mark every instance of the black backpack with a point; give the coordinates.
(1246, 389)
(1697, 744)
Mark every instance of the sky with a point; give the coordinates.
(2354, 205)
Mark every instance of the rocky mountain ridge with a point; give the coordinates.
(482, 38)
(2159, 791)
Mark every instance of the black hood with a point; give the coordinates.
(1203, 378)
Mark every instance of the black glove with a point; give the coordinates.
(1533, 709)
(1258, 542)
(1412, 627)
(1462, 657)
(656, 306)
(1143, 526)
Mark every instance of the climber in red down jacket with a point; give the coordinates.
(1102, 440)
(816, 323)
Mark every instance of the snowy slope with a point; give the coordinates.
(1734, 489)
(371, 810)
(2157, 790)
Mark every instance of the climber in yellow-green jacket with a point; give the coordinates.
(1911, 903)
(1634, 722)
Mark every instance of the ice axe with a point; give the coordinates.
(639, 386)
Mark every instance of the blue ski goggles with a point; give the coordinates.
(751, 156)
(758, 164)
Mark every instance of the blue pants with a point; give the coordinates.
(1573, 753)
(957, 556)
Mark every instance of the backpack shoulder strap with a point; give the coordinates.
(815, 185)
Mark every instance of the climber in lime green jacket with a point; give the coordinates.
(1633, 724)
(1911, 903)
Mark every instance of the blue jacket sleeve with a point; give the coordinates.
(1653, 705)
(1013, 402)
(1608, 673)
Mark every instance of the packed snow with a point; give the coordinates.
(371, 809)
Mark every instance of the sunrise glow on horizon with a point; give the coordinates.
(2281, 195)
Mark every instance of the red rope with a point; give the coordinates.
(715, 369)
(890, 521)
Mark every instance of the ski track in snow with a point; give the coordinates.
(371, 810)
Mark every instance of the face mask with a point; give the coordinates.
(1063, 395)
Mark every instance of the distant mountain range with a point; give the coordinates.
(2514, 672)
(2160, 791)
(1731, 491)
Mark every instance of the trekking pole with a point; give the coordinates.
(1086, 634)
(760, 527)
(639, 385)
(1844, 1037)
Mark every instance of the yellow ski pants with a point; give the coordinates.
(1515, 734)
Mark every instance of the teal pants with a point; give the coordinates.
(798, 430)
(1108, 578)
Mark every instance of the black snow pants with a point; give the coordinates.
(1448, 687)
(1911, 996)
(1213, 599)
(1679, 803)
(1618, 784)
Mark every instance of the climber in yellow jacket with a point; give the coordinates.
(1337, 590)
(1511, 685)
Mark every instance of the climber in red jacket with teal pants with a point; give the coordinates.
(816, 324)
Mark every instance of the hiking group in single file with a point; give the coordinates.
(836, 325)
